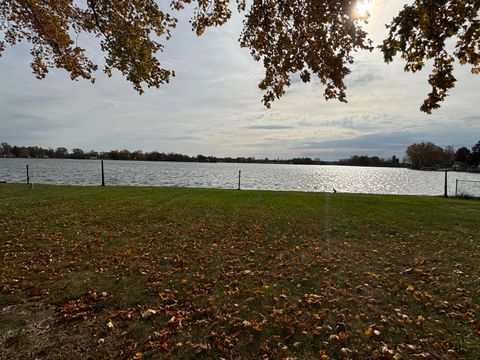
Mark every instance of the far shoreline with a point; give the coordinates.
(262, 162)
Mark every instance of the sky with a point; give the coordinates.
(213, 105)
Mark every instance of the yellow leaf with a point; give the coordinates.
(138, 355)
(410, 288)
(372, 275)
(368, 331)
(323, 355)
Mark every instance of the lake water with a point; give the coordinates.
(313, 178)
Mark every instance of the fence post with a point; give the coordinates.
(456, 187)
(446, 184)
(103, 176)
(28, 177)
(239, 177)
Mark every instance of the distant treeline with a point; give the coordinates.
(13, 151)
(365, 160)
(427, 155)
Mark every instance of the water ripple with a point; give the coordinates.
(312, 178)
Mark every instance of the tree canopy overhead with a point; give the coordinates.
(421, 32)
(303, 37)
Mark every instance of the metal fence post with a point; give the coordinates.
(28, 177)
(446, 184)
(103, 176)
(239, 177)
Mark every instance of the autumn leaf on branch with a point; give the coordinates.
(420, 33)
(304, 38)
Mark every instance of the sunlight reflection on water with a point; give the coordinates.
(225, 176)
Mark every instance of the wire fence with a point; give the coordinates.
(467, 188)
(314, 178)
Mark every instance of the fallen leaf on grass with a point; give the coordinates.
(148, 313)
(386, 351)
(423, 355)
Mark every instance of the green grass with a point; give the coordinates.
(249, 273)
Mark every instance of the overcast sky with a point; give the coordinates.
(213, 106)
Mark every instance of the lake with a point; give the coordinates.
(312, 178)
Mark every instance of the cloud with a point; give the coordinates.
(385, 144)
(213, 105)
(365, 71)
(356, 121)
(106, 104)
(270, 127)
(474, 120)
(389, 141)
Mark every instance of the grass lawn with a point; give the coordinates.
(154, 273)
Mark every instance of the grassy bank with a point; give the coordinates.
(122, 272)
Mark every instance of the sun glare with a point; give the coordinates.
(362, 8)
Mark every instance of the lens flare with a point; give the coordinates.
(362, 8)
